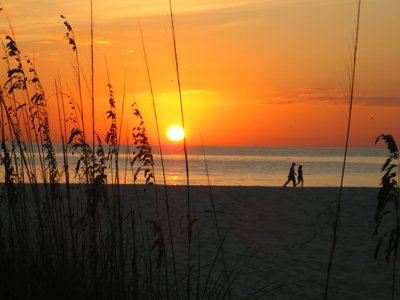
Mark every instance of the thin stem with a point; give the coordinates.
(189, 221)
(216, 222)
(396, 248)
(337, 216)
(162, 165)
(93, 194)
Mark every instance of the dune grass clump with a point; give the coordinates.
(388, 206)
(67, 227)
(28, 157)
(57, 241)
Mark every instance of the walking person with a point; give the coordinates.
(291, 176)
(300, 175)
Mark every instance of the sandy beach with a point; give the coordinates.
(276, 240)
(285, 243)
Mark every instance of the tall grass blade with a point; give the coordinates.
(162, 167)
(189, 218)
(338, 208)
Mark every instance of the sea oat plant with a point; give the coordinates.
(388, 205)
(167, 206)
(143, 156)
(29, 158)
(79, 240)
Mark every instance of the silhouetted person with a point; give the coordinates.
(292, 175)
(300, 175)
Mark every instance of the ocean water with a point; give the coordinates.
(256, 166)
(269, 166)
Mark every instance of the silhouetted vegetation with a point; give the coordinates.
(69, 230)
(388, 207)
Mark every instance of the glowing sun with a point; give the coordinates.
(175, 133)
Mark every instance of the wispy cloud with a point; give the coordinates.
(197, 92)
(325, 95)
(379, 100)
(28, 15)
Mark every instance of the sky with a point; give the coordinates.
(252, 72)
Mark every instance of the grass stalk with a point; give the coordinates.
(217, 227)
(63, 133)
(72, 41)
(189, 218)
(162, 166)
(93, 234)
(339, 201)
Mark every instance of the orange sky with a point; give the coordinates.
(253, 72)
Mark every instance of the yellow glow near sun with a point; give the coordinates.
(175, 133)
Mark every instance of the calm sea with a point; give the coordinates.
(260, 166)
(269, 166)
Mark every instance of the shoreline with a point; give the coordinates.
(142, 185)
